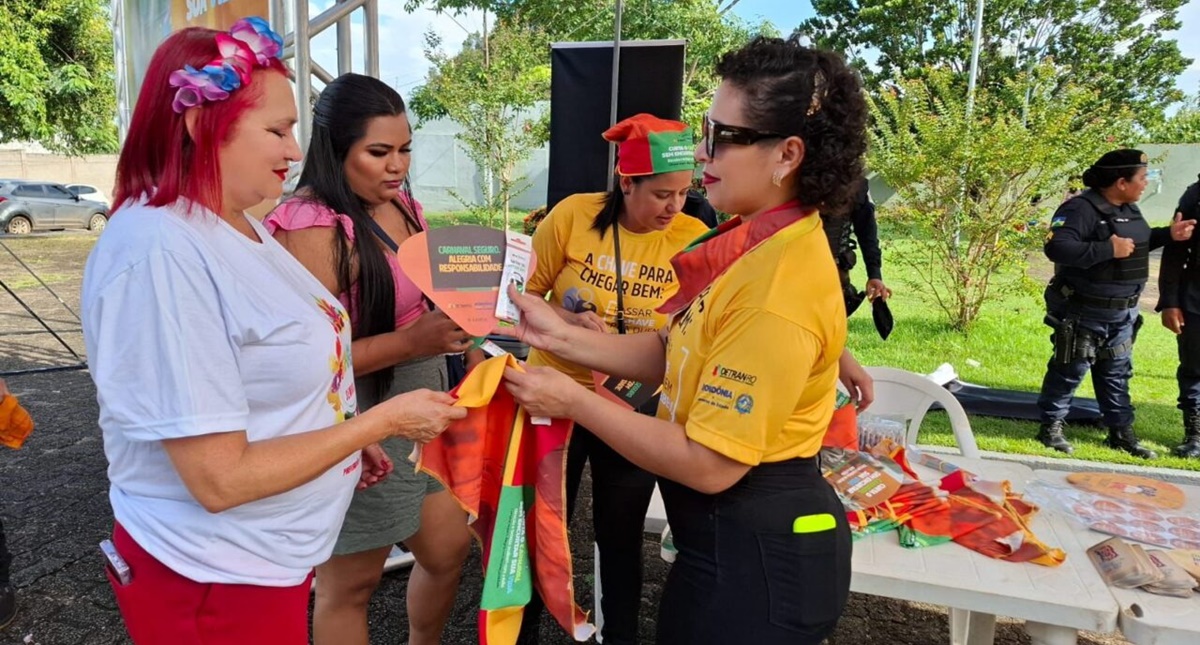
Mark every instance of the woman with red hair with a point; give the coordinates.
(227, 399)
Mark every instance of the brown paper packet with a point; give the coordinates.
(1120, 564)
(1176, 581)
(1189, 560)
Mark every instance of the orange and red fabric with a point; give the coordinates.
(997, 528)
(509, 475)
(15, 422)
(843, 429)
(988, 518)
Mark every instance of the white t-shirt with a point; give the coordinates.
(192, 328)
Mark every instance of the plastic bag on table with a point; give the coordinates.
(873, 429)
(1116, 517)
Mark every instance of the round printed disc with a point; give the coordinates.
(1130, 488)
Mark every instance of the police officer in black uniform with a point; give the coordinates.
(842, 232)
(1100, 245)
(1179, 302)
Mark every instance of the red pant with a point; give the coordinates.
(161, 607)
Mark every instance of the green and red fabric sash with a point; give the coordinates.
(709, 256)
(510, 478)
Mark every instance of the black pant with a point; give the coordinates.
(1110, 374)
(742, 573)
(1188, 373)
(5, 558)
(620, 496)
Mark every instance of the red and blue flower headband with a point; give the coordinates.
(249, 44)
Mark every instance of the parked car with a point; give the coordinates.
(87, 191)
(26, 206)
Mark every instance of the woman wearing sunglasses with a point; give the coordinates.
(748, 362)
(637, 226)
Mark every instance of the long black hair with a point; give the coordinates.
(340, 120)
(614, 201)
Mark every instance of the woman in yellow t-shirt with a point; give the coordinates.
(748, 362)
(639, 227)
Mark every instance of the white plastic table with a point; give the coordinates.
(1054, 602)
(1146, 618)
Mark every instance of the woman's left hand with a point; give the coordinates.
(1181, 229)
(543, 391)
(376, 466)
(857, 381)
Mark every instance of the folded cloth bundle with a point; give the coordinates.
(15, 422)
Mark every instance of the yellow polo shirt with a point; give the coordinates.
(578, 268)
(752, 363)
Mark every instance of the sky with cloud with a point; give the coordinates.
(403, 64)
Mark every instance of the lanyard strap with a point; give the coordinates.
(391, 244)
(382, 234)
(620, 277)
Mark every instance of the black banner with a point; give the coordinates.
(580, 93)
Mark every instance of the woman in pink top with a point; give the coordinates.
(351, 210)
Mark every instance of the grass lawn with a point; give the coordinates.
(1011, 346)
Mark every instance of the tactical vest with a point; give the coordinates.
(1128, 223)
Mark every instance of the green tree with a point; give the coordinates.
(973, 191)
(56, 75)
(1182, 127)
(490, 88)
(1117, 47)
(707, 25)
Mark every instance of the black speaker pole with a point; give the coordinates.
(616, 81)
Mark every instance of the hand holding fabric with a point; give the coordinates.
(419, 415)
(877, 289)
(544, 391)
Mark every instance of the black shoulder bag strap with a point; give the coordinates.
(620, 278)
(382, 234)
(391, 244)
(649, 408)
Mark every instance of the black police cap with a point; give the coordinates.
(1125, 158)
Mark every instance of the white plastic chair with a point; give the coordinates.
(656, 515)
(909, 395)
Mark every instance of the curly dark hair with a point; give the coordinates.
(814, 95)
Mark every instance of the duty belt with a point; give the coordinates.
(1074, 297)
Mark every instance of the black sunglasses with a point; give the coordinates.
(715, 133)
